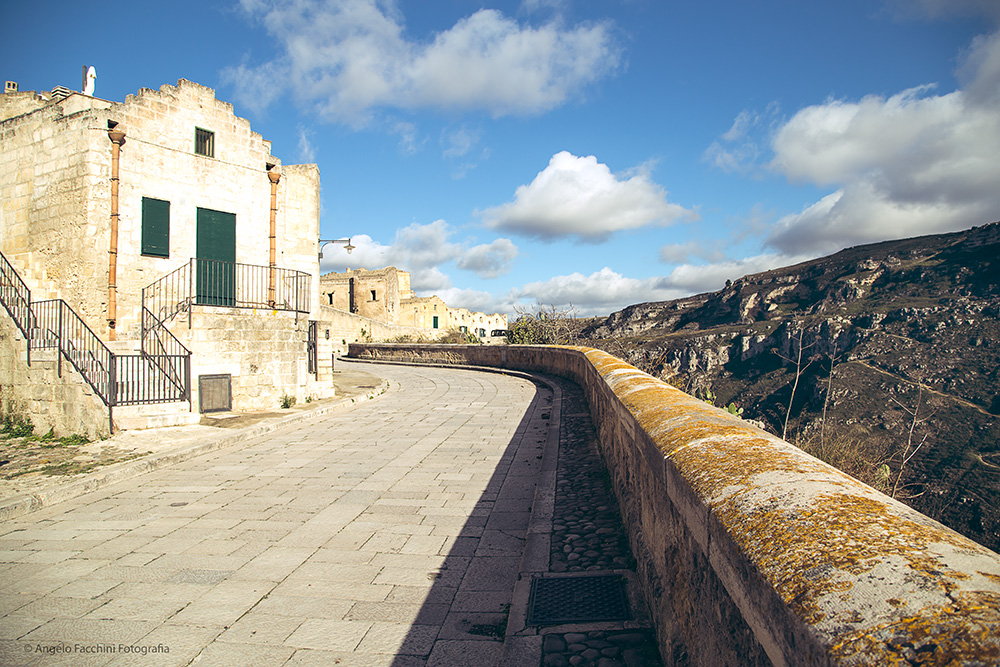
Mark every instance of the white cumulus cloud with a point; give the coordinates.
(423, 250)
(476, 301)
(599, 293)
(917, 162)
(697, 278)
(580, 197)
(489, 260)
(346, 58)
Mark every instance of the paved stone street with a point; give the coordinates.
(390, 533)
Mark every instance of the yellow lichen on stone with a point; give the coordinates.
(990, 575)
(809, 554)
(961, 633)
(815, 533)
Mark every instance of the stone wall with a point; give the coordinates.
(263, 351)
(55, 189)
(298, 225)
(54, 164)
(376, 293)
(750, 551)
(66, 404)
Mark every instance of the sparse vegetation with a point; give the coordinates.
(860, 456)
(457, 337)
(910, 450)
(287, 401)
(709, 397)
(799, 369)
(406, 338)
(22, 452)
(16, 425)
(544, 325)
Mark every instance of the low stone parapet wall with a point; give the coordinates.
(751, 552)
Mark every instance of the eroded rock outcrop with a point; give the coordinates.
(911, 329)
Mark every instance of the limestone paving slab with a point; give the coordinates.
(331, 539)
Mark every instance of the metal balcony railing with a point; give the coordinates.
(207, 282)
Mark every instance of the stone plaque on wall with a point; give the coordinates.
(215, 393)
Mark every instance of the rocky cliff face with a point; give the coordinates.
(911, 331)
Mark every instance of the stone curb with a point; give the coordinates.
(21, 505)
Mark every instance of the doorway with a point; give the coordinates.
(216, 253)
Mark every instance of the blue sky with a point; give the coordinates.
(579, 153)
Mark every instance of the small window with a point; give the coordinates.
(204, 142)
(373, 296)
(155, 227)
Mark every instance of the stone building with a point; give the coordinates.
(166, 201)
(384, 295)
(374, 294)
(431, 312)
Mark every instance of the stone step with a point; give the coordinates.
(127, 346)
(156, 415)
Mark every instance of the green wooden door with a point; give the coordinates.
(216, 250)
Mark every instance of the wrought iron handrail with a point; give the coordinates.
(165, 298)
(162, 349)
(160, 373)
(16, 298)
(209, 282)
(57, 326)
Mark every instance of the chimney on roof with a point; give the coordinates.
(60, 93)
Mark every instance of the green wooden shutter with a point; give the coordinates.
(155, 227)
(216, 235)
(216, 249)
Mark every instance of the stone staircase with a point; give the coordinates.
(45, 357)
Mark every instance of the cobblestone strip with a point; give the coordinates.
(587, 536)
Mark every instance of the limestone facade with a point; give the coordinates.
(432, 312)
(55, 185)
(185, 152)
(373, 294)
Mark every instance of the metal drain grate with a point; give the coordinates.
(556, 600)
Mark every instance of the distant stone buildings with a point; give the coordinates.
(384, 295)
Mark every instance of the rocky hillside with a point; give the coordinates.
(911, 331)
